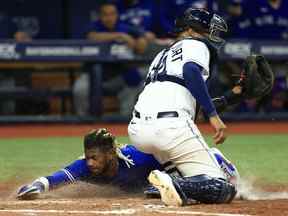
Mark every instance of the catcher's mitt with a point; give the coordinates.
(256, 78)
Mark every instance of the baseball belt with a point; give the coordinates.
(167, 114)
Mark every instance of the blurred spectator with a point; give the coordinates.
(259, 19)
(249, 105)
(119, 79)
(278, 101)
(110, 29)
(234, 13)
(170, 9)
(141, 14)
(269, 19)
(23, 21)
(262, 19)
(80, 13)
(33, 19)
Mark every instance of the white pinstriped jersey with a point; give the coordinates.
(168, 96)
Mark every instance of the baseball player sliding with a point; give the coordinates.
(163, 118)
(162, 125)
(105, 163)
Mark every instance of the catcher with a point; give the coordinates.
(105, 163)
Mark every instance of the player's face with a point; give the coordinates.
(195, 34)
(96, 160)
(109, 16)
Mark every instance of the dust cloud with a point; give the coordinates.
(247, 190)
(86, 190)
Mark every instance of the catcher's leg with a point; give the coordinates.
(205, 189)
(228, 168)
(202, 188)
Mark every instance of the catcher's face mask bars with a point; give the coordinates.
(217, 26)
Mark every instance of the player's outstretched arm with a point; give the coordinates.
(70, 174)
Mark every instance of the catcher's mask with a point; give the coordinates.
(202, 21)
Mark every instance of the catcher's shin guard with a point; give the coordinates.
(204, 189)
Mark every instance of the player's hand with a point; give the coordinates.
(219, 127)
(126, 38)
(30, 192)
(237, 89)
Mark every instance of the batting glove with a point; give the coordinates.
(30, 192)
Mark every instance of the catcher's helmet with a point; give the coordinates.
(202, 21)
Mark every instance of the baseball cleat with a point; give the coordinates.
(164, 183)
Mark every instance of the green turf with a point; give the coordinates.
(260, 156)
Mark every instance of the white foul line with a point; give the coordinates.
(198, 213)
(123, 211)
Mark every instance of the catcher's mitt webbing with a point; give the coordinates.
(265, 70)
(257, 77)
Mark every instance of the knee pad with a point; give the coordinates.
(204, 189)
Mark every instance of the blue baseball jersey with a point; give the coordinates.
(126, 178)
(119, 27)
(268, 22)
(140, 14)
(131, 75)
(80, 14)
(261, 20)
(171, 9)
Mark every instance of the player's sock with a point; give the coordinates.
(152, 192)
(228, 168)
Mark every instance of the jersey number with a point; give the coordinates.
(159, 68)
(176, 54)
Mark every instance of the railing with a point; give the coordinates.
(74, 53)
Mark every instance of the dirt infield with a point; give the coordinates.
(137, 206)
(117, 203)
(121, 129)
(85, 201)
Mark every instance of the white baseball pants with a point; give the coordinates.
(175, 142)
